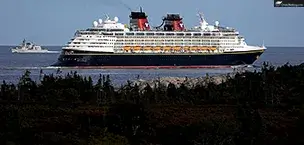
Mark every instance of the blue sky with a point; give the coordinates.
(53, 22)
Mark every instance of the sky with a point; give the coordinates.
(54, 22)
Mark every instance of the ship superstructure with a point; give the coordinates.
(110, 43)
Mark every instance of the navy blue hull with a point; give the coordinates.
(228, 59)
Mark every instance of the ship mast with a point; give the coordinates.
(203, 22)
(201, 17)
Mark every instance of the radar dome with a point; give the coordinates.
(95, 23)
(100, 21)
(217, 23)
(116, 19)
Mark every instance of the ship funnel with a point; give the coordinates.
(139, 21)
(173, 22)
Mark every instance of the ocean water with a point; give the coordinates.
(12, 66)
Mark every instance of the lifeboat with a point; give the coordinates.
(177, 48)
(167, 48)
(136, 48)
(126, 48)
(147, 48)
(193, 48)
(204, 48)
(186, 48)
(157, 48)
(212, 48)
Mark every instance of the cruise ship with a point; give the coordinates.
(111, 44)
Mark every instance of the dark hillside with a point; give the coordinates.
(256, 108)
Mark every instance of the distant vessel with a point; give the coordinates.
(29, 47)
(110, 44)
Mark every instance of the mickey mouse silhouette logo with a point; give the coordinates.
(146, 24)
(181, 25)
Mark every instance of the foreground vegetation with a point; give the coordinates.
(253, 108)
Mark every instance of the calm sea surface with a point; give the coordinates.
(12, 65)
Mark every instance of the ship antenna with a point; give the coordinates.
(201, 16)
(125, 5)
(141, 9)
(107, 17)
(263, 44)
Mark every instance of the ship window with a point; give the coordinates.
(188, 34)
(140, 33)
(170, 34)
(160, 34)
(118, 33)
(94, 30)
(130, 33)
(149, 33)
(180, 34)
(197, 34)
(107, 33)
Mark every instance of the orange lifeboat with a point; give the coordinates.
(126, 48)
(186, 48)
(157, 48)
(167, 48)
(212, 48)
(136, 48)
(177, 48)
(147, 48)
(204, 48)
(193, 48)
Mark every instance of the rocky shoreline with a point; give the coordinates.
(187, 81)
(177, 81)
